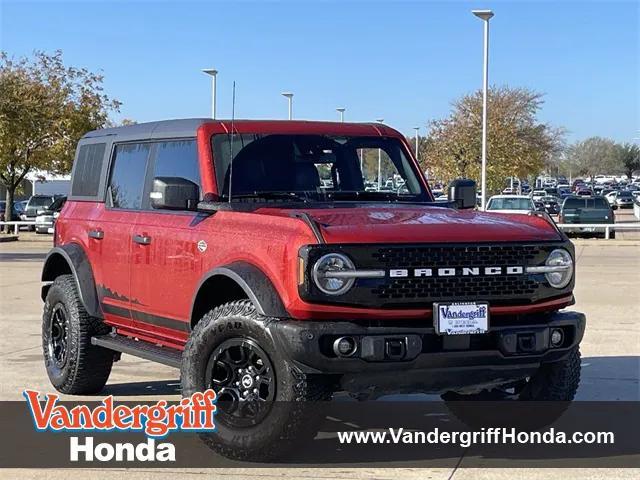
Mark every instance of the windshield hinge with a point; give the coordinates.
(313, 225)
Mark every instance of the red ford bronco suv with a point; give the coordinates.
(287, 260)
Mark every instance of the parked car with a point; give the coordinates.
(564, 192)
(623, 199)
(587, 210)
(538, 194)
(18, 209)
(551, 204)
(511, 204)
(47, 217)
(584, 192)
(34, 204)
(267, 289)
(610, 196)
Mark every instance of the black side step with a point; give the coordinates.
(119, 343)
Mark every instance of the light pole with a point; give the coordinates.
(417, 129)
(379, 120)
(485, 15)
(289, 96)
(213, 73)
(341, 110)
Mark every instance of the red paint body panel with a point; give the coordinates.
(416, 224)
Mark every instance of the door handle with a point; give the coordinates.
(96, 234)
(142, 239)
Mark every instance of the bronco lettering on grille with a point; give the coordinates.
(455, 272)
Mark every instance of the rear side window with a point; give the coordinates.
(177, 158)
(128, 175)
(86, 176)
(574, 203)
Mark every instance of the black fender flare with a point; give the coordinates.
(78, 262)
(255, 283)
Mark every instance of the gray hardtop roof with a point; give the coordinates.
(163, 129)
(187, 127)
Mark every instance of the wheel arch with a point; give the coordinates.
(72, 259)
(236, 281)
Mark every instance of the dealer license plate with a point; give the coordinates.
(461, 318)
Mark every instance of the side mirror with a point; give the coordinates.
(174, 193)
(614, 207)
(463, 193)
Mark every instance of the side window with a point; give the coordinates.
(86, 176)
(177, 158)
(128, 174)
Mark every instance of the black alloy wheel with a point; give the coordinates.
(59, 335)
(243, 377)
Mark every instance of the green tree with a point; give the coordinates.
(45, 107)
(517, 143)
(629, 156)
(593, 156)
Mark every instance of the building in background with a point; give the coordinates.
(40, 183)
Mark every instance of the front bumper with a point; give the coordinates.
(44, 224)
(422, 361)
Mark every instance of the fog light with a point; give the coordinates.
(556, 337)
(345, 346)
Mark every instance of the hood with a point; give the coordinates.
(418, 224)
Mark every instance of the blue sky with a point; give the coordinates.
(403, 61)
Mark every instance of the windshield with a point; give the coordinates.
(315, 168)
(624, 194)
(509, 204)
(40, 201)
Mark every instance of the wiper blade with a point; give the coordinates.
(357, 194)
(276, 195)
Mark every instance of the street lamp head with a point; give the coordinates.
(210, 71)
(287, 94)
(483, 14)
(340, 109)
(416, 128)
(379, 120)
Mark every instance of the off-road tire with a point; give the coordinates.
(291, 417)
(556, 383)
(87, 367)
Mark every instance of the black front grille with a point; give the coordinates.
(414, 291)
(455, 287)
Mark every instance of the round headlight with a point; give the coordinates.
(561, 278)
(327, 273)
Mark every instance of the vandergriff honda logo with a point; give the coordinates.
(156, 420)
(456, 271)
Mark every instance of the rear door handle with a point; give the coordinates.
(96, 234)
(142, 239)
